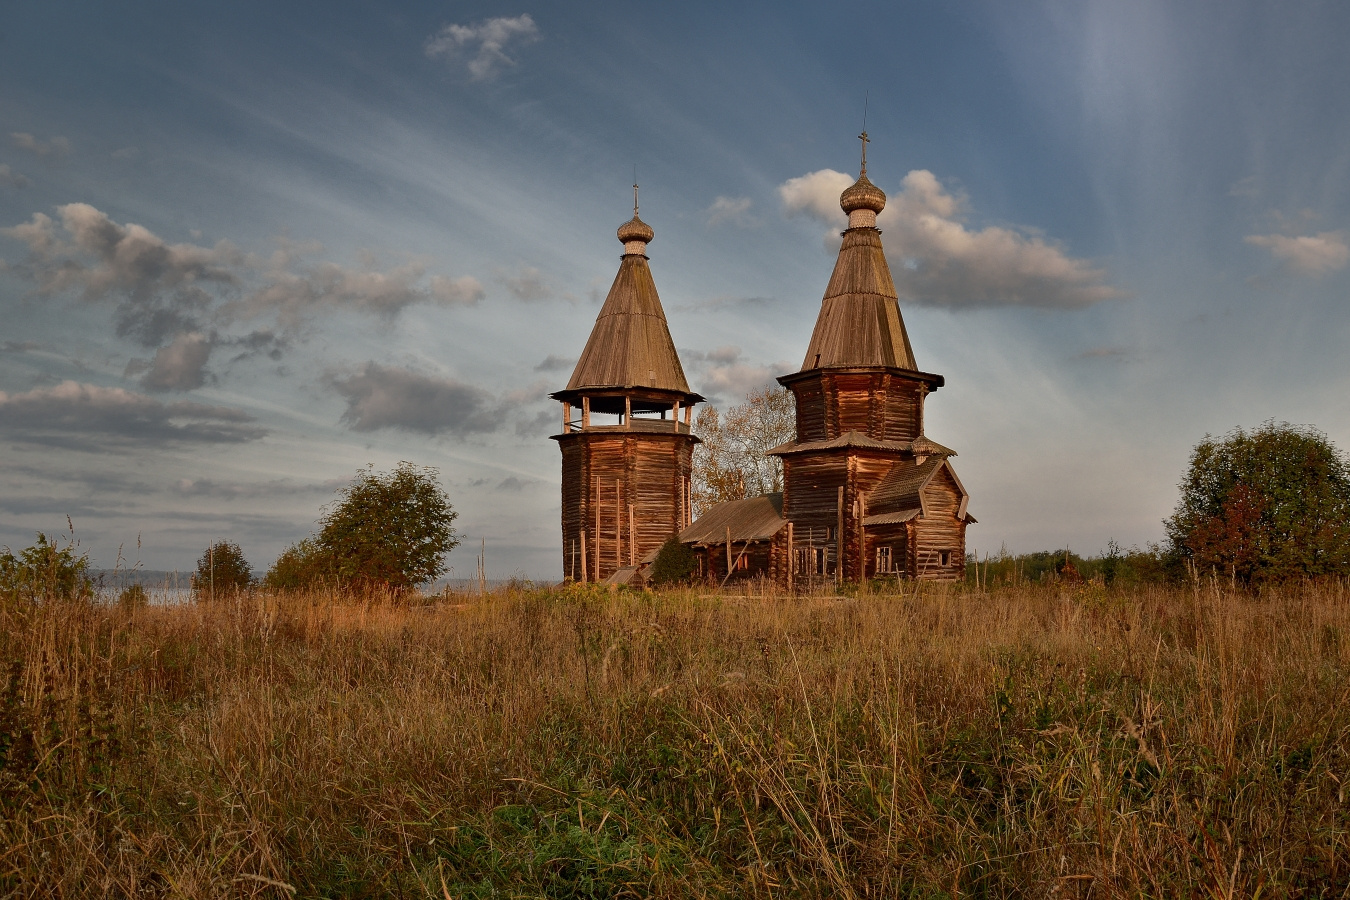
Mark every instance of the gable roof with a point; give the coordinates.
(901, 491)
(756, 519)
(630, 345)
(859, 322)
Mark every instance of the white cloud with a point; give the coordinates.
(179, 365)
(88, 417)
(382, 397)
(1309, 254)
(937, 260)
(10, 178)
(483, 45)
(816, 195)
(730, 211)
(56, 147)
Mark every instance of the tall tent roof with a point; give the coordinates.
(859, 323)
(630, 345)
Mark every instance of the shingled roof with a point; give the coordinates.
(630, 345)
(859, 323)
(899, 496)
(756, 519)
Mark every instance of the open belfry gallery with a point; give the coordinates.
(865, 493)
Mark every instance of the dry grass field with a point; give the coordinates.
(1045, 741)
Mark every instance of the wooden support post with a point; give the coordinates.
(632, 544)
(597, 529)
(839, 540)
(728, 551)
(862, 544)
(675, 414)
(627, 412)
(584, 579)
(585, 412)
(791, 560)
(567, 416)
(618, 526)
(688, 414)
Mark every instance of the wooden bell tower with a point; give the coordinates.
(627, 447)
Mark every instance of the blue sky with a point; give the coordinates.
(250, 248)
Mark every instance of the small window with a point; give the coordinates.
(883, 560)
(944, 557)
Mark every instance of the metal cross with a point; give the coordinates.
(865, 141)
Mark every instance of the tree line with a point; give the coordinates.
(1267, 505)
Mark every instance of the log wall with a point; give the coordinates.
(939, 531)
(635, 481)
(881, 405)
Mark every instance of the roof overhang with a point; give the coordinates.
(890, 518)
(613, 399)
(933, 381)
(856, 440)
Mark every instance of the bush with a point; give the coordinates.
(222, 570)
(1266, 505)
(390, 530)
(674, 563)
(300, 565)
(133, 596)
(45, 571)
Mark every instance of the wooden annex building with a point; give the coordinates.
(866, 493)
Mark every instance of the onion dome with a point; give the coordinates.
(636, 230)
(635, 234)
(863, 194)
(863, 199)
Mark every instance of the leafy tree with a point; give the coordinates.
(45, 571)
(221, 571)
(674, 563)
(731, 462)
(389, 529)
(1265, 505)
(299, 566)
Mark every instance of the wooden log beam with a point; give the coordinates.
(839, 539)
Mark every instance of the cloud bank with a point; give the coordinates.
(383, 397)
(165, 291)
(937, 260)
(87, 417)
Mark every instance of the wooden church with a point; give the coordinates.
(866, 493)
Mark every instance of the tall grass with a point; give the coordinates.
(935, 742)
